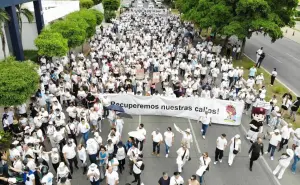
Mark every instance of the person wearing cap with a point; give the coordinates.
(255, 150)
(234, 148)
(274, 142)
(94, 174)
(221, 145)
(183, 155)
(283, 162)
(157, 140)
(286, 132)
(69, 151)
(176, 179)
(187, 137)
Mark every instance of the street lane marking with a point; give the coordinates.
(275, 58)
(194, 137)
(265, 162)
(293, 57)
(270, 74)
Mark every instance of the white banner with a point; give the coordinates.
(150, 10)
(222, 112)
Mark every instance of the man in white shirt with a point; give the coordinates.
(112, 177)
(285, 131)
(206, 121)
(221, 145)
(84, 129)
(143, 131)
(169, 140)
(157, 140)
(94, 174)
(138, 167)
(92, 147)
(274, 141)
(69, 151)
(48, 178)
(258, 53)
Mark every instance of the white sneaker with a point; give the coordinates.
(266, 152)
(220, 160)
(100, 130)
(215, 162)
(203, 137)
(272, 158)
(201, 130)
(167, 155)
(229, 164)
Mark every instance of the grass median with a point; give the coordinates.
(278, 89)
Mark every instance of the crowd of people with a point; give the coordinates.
(67, 111)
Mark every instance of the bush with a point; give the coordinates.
(97, 2)
(297, 19)
(86, 4)
(109, 15)
(297, 13)
(279, 90)
(99, 16)
(110, 5)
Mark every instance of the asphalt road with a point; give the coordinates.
(284, 55)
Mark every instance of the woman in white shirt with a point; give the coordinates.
(63, 171)
(286, 103)
(82, 157)
(113, 162)
(93, 174)
(204, 166)
(169, 140)
(234, 148)
(284, 162)
(176, 179)
(121, 155)
(183, 155)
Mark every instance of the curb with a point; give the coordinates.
(270, 74)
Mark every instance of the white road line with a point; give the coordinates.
(194, 137)
(265, 162)
(275, 58)
(293, 57)
(270, 74)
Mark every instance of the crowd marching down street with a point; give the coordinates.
(61, 130)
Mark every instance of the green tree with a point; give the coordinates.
(18, 81)
(109, 15)
(51, 44)
(240, 17)
(22, 11)
(91, 20)
(70, 31)
(98, 15)
(5, 140)
(96, 2)
(111, 5)
(3, 19)
(86, 4)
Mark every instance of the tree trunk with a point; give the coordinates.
(243, 45)
(225, 41)
(3, 44)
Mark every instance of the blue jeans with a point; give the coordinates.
(95, 182)
(167, 149)
(204, 128)
(294, 165)
(85, 136)
(271, 148)
(201, 179)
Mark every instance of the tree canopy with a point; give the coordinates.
(18, 81)
(240, 17)
(111, 5)
(70, 31)
(51, 44)
(86, 4)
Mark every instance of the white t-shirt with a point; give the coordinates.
(70, 151)
(221, 143)
(275, 139)
(169, 137)
(48, 179)
(157, 137)
(94, 174)
(112, 177)
(31, 179)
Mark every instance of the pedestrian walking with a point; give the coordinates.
(121, 155)
(84, 129)
(93, 174)
(221, 145)
(258, 53)
(132, 153)
(204, 166)
(169, 140)
(260, 60)
(285, 131)
(238, 53)
(82, 157)
(294, 108)
(176, 179)
(138, 168)
(55, 158)
(283, 162)
(119, 124)
(206, 121)
(274, 142)
(157, 140)
(193, 180)
(165, 179)
(69, 151)
(187, 137)
(139, 143)
(234, 148)
(92, 149)
(255, 150)
(273, 76)
(183, 155)
(296, 159)
(112, 177)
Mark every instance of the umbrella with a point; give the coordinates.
(116, 108)
(136, 134)
(124, 115)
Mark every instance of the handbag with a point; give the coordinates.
(234, 150)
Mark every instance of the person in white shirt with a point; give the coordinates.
(286, 132)
(62, 171)
(274, 141)
(258, 53)
(234, 147)
(143, 131)
(169, 140)
(157, 140)
(69, 151)
(206, 121)
(47, 178)
(121, 155)
(283, 162)
(84, 129)
(204, 166)
(176, 179)
(183, 155)
(112, 177)
(221, 145)
(82, 157)
(94, 174)
(273, 76)
(113, 162)
(119, 124)
(94, 116)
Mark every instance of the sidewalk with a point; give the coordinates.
(292, 33)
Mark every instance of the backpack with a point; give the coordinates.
(142, 167)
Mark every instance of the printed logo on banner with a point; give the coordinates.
(231, 114)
